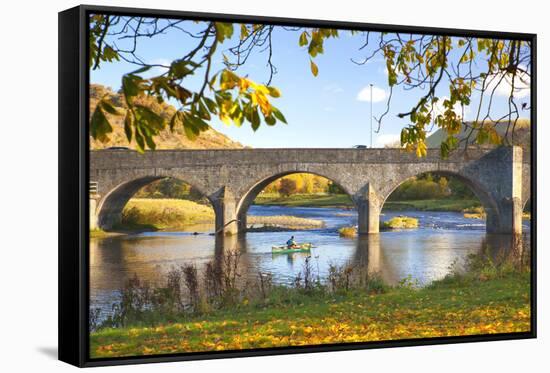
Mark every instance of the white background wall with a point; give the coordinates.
(28, 186)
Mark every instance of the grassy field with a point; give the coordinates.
(305, 200)
(431, 205)
(446, 308)
(159, 214)
(342, 200)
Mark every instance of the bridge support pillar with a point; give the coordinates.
(368, 209)
(94, 200)
(511, 214)
(504, 168)
(225, 207)
(241, 222)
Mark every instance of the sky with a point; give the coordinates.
(330, 110)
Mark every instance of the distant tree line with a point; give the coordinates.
(426, 186)
(432, 186)
(302, 183)
(171, 188)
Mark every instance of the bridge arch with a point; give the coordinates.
(110, 206)
(252, 191)
(484, 196)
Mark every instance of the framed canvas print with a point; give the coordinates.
(236, 185)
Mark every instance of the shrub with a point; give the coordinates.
(474, 213)
(400, 222)
(347, 232)
(287, 187)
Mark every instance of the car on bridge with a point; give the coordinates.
(360, 147)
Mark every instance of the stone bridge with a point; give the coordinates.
(231, 179)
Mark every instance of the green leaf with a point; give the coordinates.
(238, 118)
(99, 125)
(153, 120)
(130, 88)
(189, 127)
(150, 143)
(110, 54)
(278, 114)
(270, 120)
(274, 92)
(303, 39)
(210, 104)
(108, 106)
(199, 124)
(179, 69)
(255, 119)
(203, 111)
(128, 122)
(314, 68)
(223, 31)
(139, 141)
(182, 94)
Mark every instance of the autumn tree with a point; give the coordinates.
(443, 73)
(287, 187)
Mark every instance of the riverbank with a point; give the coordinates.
(448, 205)
(343, 201)
(162, 214)
(451, 307)
(305, 200)
(279, 223)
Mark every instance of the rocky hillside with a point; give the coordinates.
(210, 139)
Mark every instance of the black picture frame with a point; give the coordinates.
(74, 179)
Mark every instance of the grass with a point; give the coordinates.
(159, 214)
(457, 205)
(305, 200)
(400, 222)
(454, 306)
(343, 201)
(347, 232)
(474, 213)
(98, 233)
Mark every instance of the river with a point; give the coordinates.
(443, 240)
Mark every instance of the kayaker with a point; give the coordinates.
(291, 244)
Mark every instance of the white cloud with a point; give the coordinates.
(387, 139)
(502, 84)
(378, 94)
